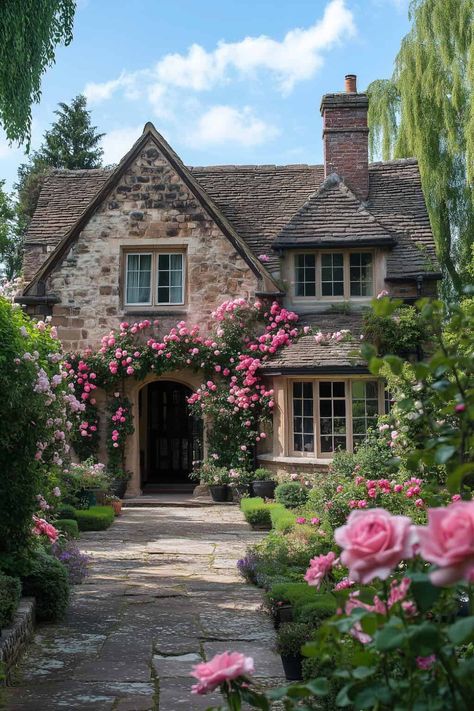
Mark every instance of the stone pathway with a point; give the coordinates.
(164, 594)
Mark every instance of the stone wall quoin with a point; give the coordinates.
(150, 207)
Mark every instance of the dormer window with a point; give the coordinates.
(334, 275)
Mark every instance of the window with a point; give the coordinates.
(332, 274)
(156, 278)
(332, 416)
(365, 407)
(138, 282)
(305, 277)
(340, 275)
(170, 278)
(388, 401)
(361, 274)
(303, 417)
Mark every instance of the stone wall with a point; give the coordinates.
(14, 637)
(150, 207)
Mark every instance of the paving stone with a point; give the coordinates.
(140, 622)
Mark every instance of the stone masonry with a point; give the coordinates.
(151, 208)
(163, 595)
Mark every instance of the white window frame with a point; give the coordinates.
(138, 303)
(153, 304)
(169, 254)
(346, 296)
(348, 381)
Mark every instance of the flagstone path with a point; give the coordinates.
(164, 594)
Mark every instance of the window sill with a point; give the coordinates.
(156, 311)
(294, 460)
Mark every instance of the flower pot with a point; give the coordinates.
(119, 488)
(117, 507)
(219, 492)
(265, 489)
(283, 613)
(87, 498)
(100, 495)
(238, 491)
(292, 666)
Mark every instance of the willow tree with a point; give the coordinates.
(30, 31)
(426, 110)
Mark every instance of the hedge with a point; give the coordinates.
(47, 581)
(97, 518)
(68, 526)
(10, 592)
(257, 512)
(66, 511)
(282, 520)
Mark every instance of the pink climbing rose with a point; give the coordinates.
(221, 668)
(319, 567)
(374, 542)
(448, 541)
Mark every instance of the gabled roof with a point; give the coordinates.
(111, 180)
(333, 216)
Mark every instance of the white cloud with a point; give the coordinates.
(118, 142)
(297, 57)
(225, 124)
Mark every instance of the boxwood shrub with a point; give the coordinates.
(47, 581)
(97, 518)
(291, 494)
(10, 592)
(66, 511)
(68, 526)
(257, 512)
(282, 520)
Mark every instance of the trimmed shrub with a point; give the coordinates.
(66, 511)
(291, 494)
(10, 592)
(68, 526)
(97, 518)
(47, 581)
(315, 612)
(257, 512)
(282, 520)
(292, 636)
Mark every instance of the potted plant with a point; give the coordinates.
(119, 482)
(239, 480)
(115, 503)
(217, 479)
(262, 483)
(290, 638)
(85, 481)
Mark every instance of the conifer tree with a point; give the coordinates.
(426, 110)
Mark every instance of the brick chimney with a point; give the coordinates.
(346, 137)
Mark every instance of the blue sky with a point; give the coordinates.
(225, 81)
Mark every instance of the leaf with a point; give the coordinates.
(343, 699)
(462, 631)
(444, 453)
(319, 686)
(456, 477)
(371, 696)
(424, 592)
(363, 672)
(256, 700)
(424, 639)
(395, 363)
(392, 636)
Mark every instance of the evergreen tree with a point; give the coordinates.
(426, 110)
(10, 244)
(30, 30)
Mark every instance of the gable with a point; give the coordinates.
(142, 187)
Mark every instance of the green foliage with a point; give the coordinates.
(29, 34)
(97, 518)
(10, 592)
(262, 474)
(257, 512)
(291, 494)
(210, 473)
(68, 526)
(426, 110)
(47, 581)
(66, 511)
(282, 520)
(292, 636)
(402, 332)
(9, 252)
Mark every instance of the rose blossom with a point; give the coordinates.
(221, 668)
(448, 541)
(425, 663)
(374, 542)
(319, 567)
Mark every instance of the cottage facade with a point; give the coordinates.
(154, 238)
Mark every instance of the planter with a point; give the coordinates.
(282, 614)
(238, 491)
(100, 497)
(265, 489)
(87, 498)
(292, 666)
(117, 507)
(119, 488)
(219, 493)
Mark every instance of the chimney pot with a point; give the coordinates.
(350, 81)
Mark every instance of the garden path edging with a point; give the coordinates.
(14, 637)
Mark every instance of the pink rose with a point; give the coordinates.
(374, 542)
(301, 519)
(448, 541)
(221, 668)
(425, 663)
(319, 567)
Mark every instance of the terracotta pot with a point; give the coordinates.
(117, 507)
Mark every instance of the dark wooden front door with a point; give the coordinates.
(171, 435)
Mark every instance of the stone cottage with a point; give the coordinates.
(155, 238)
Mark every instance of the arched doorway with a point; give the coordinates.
(170, 439)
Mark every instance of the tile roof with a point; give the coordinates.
(260, 200)
(333, 216)
(305, 355)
